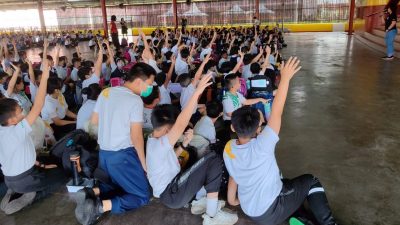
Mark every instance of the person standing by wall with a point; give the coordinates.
(124, 28)
(389, 18)
(114, 32)
(184, 24)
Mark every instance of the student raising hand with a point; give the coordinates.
(183, 119)
(288, 70)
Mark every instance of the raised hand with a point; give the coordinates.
(46, 43)
(173, 59)
(290, 68)
(187, 137)
(268, 50)
(17, 69)
(207, 58)
(204, 83)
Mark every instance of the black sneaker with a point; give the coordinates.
(388, 57)
(88, 212)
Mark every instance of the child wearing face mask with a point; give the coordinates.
(119, 72)
(121, 154)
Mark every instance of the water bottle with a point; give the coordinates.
(248, 84)
(267, 110)
(74, 157)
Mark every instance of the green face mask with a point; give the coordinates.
(147, 92)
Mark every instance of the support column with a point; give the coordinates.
(258, 9)
(175, 11)
(41, 16)
(104, 14)
(351, 15)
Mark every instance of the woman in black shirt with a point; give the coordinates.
(389, 18)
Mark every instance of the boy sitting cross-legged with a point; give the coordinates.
(254, 173)
(174, 187)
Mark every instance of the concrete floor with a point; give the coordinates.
(341, 123)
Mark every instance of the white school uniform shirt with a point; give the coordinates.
(2, 90)
(254, 168)
(221, 61)
(74, 74)
(147, 118)
(54, 108)
(205, 128)
(164, 50)
(174, 50)
(162, 164)
(181, 66)
(205, 52)
(85, 113)
(186, 95)
(165, 97)
(246, 72)
(153, 64)
(231, 103)
(17, 151)
(61, 72)
(117, 108)
(94, 79)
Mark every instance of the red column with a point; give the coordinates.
(351, 19)
(104, 13)
(258, 9)
(41, 16)
(175, 11)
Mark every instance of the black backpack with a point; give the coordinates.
(77, 141)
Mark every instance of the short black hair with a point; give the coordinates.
(247, 59)
(255, 68)
(164, 115)
(140, 70)
(229, 80)
(214, 109)
(185, 53)
(92, 91)
(53, 83)
(3, 74)
(113, 18)
(160, 78)
(83, 72)
(74, 60)
(184, 79)
(8, 106)
(245, 121)
(153, 96)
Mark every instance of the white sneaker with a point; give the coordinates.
(222, 218)
(200, 206)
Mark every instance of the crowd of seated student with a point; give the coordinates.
(178, 88)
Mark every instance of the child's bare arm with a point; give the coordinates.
(170, 71)
(200, 70)
(232, 190)
(238, 64)
(99, 61)
(289, 69)
(41, 94)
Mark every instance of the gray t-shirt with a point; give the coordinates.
(118, 108)
(17, 151)
(254, 168)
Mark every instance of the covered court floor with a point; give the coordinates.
(341, 123)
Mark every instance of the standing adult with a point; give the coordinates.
(256, 23)
(124, 28)
(389, 18)
(114, 32)
(184, 24)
